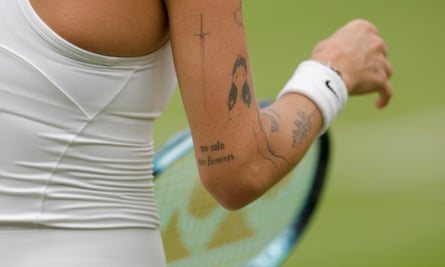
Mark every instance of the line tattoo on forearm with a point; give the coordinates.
(263, 155)
(267, 142)
(202, 37)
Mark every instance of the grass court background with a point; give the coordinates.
(385, 197)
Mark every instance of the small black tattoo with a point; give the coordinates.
(202, 36)
(212, 159)
(219, 160)
(239, 83)
(233, 95)
(247, 96)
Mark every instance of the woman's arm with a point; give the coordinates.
(241, 150)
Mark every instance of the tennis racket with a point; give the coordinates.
(198, 232)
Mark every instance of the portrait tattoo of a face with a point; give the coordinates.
(239, 83)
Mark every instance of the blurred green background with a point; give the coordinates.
(384, 204)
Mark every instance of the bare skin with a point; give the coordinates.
(111, 27)
(242, 151)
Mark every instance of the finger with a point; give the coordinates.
(387, 67)
(365, 24)
(380, 45)
(385, 96)
(384, 49)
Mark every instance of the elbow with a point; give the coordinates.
(229, 198)
(234, 192)
(232, 203)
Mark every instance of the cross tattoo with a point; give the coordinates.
(202, 35)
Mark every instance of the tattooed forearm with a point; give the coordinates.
(209, 159)
(202, 37)
(302, 127)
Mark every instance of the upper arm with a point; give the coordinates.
(211, 58)
(213, 70)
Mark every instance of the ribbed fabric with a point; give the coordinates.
(86, 248)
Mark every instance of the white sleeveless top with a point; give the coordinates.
(76, 129)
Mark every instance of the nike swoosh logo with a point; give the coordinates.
(328, 85)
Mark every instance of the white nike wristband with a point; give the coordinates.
(321, 84)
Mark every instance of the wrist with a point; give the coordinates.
(323, 85)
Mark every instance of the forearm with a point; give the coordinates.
(289, 126)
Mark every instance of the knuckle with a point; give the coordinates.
(379, 44)
(378, 41)
(359, 21)
(381, 78)
(364, 24)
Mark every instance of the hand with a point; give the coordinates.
(360, 55)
